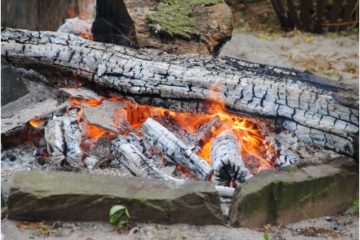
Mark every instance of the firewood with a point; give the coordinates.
(227, 161)
(137, 163)
(205, 132)
(309, 105)
(63, 138)
(174, 149)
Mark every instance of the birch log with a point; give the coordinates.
(308, 104)
(63, 138)
(138, 164)
(174, 149)
(227, 161)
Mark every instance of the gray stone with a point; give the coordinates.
(82, 197)
(295, 193)
(12, 86)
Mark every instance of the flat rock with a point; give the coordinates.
(294, 193)
(17, 121)
(102, 115)
(82, 197)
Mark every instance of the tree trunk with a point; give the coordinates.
(307, 104)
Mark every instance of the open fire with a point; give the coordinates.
(249, 136)
(214, 145)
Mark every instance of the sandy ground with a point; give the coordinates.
(344, 227)
(332, 56)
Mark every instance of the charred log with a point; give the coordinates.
(229, 168)
(113, 23)
(308, 104)
(63, 138)
(137, 163)
(205, 132)
(174, 149)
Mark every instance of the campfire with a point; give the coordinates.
(215, 145)
(101, 118)
(224, 130)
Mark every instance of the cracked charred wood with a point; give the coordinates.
(63, 138)
(139, 165)
(229, 168)
(205, 132)
(309, 105)
(174, 149)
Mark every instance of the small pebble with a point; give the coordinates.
(329, 219)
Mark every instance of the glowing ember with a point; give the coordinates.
(94, 132)
(36, 123)
(249, 135)
(86, 35)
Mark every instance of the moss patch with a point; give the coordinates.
(174, 16)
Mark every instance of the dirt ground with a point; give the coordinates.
(331, 56)
(344, 226)
(257, 39)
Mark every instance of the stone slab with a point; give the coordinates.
(82, 197)
(295, 193)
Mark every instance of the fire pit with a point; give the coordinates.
(168, 117)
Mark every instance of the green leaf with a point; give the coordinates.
(122, 224)
(127, 213)
(119, 214)
(116, 209)
(266, 236)
(115, 217)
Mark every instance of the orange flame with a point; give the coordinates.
(36, 123)
(85, 35)
(250, 137)
(249, 132)
(94, 132)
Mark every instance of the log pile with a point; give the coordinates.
(138, 163)
(299, 102)
(306, 105)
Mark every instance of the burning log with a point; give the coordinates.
(78, 27)
(174, 149)
(205, 132)
(137, 163)
(63, 138)
(229, 168)
(309, 105)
